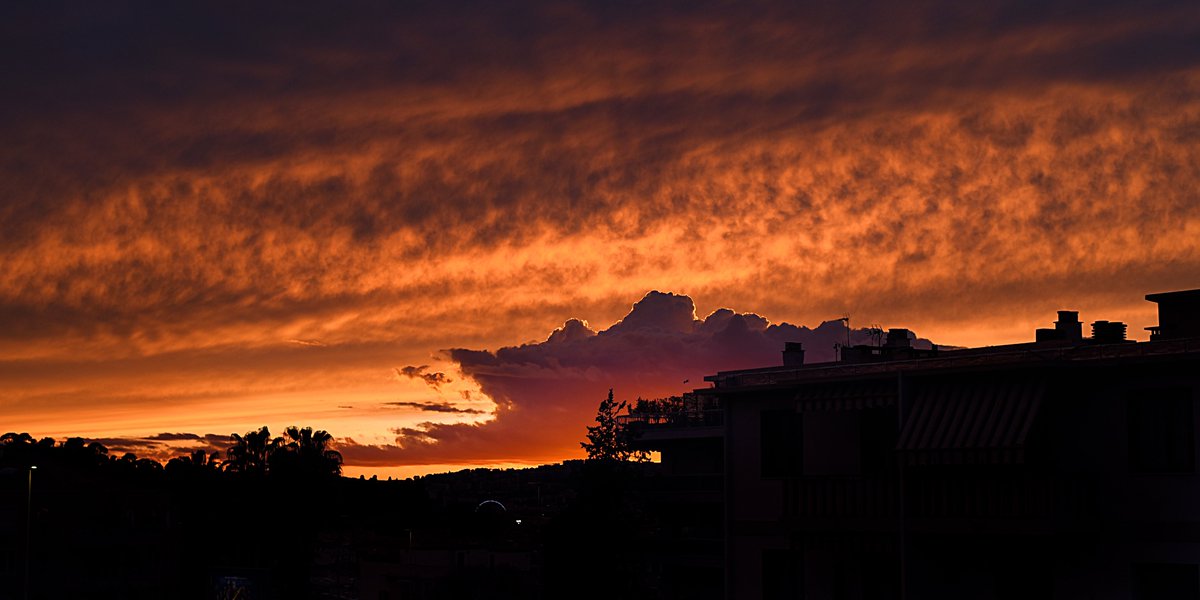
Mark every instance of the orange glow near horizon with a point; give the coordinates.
(274, 238)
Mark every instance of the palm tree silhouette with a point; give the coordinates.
(307, 453)
(250, 453)
(302, 452)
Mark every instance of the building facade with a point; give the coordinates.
(1060, 468)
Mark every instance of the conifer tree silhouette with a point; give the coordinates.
(609, 440)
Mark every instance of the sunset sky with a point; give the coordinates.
(423, 226)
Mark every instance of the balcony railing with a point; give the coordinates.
(684, 418)
(686, 483)
(1024, 496)
(1017, 496)
(857, 497)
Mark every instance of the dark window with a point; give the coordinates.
(780, 437)
(1024, 575)
(1160, 581)
(880, 575)
(832, 443)
(1161, 431)
(877, 439)
(780, 575)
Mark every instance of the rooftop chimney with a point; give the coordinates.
(1068, 325)
(1066, 328)
(793, 354)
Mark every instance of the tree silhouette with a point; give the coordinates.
(609, 440)
(250, 453)
(305, 452)
(658, 406)
(17, 448)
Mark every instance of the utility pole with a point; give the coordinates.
(28, 526)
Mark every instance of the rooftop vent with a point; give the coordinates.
(1066, 328)
(1108, 332)
(1068, 325)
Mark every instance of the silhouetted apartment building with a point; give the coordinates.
(1060, 468)
(685, 496)
(1178, 315)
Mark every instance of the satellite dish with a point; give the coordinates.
(491, 506)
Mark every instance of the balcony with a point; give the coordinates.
(1016, 496)
(685, 418)
(675, 425)
(842, 497)
(939, 502)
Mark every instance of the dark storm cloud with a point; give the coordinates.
(547, 391)
(174, 437)
(434, 380)
(164, 446)
(122, 68)
(128, 444)
(438, 407)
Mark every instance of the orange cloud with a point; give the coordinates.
(240, 216)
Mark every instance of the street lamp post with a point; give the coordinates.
(28, 526)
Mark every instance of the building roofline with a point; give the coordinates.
(1179, 295)
(1028, 354)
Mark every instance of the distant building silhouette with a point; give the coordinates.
(1059, 468)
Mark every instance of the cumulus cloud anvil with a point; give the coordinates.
(545, 390)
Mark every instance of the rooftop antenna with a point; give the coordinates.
(837, 347)
(876, 333)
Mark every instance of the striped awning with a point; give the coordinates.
(846, 396)
(970, 421)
